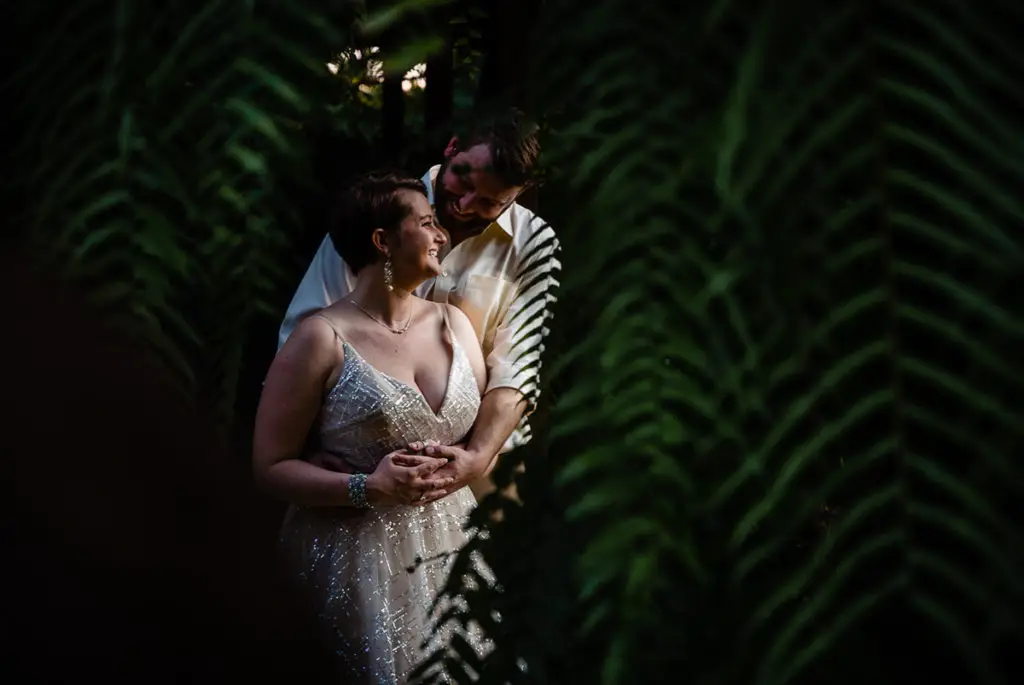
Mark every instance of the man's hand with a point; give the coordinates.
(463, 466)
(409, 479)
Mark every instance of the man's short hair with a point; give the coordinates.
(513, 142)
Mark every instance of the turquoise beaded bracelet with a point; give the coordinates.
(357, 490)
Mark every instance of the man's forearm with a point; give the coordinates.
(500, 412)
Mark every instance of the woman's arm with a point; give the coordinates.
(292, 397)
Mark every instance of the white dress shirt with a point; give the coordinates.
(503, 279)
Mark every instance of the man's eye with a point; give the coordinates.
(461, 169)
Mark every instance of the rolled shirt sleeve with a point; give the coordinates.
(515, 357)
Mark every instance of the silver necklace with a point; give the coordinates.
(396, 331)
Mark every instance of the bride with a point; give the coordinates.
(366, 376)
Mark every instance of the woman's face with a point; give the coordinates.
(416, 255)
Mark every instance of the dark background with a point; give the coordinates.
(784, 379)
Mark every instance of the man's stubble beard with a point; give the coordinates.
(457, 229)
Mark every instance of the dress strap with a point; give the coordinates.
(331, 324)
(447, 322)
(449, 332)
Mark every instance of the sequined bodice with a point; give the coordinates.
(369, 414)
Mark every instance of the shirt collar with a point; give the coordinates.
(504, 221)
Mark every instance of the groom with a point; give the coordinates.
(499, 269)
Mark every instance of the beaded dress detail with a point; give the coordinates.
(354, 563)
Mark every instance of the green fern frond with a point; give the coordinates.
(163, 172)
(796, 271)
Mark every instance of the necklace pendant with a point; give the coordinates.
(396, 331)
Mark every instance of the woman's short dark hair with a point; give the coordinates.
(369, 202)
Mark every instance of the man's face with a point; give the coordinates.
(467, 196)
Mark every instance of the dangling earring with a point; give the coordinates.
(389, 277)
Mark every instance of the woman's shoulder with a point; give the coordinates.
(318, 334)
(452, 315)
(459, 323)
(312, 353)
